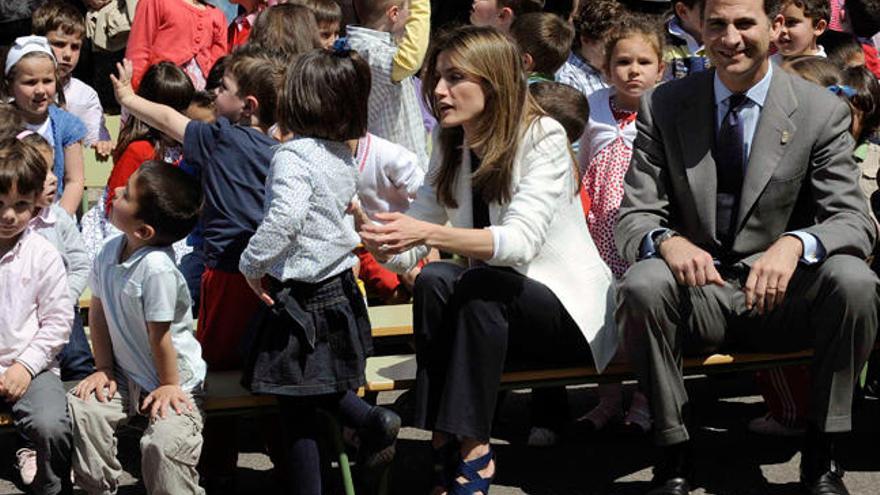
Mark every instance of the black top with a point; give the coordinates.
(480, 208)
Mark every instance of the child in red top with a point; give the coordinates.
(189, 33)
(240, 28)
(165, 83)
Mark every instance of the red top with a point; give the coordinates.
(177, 31)
(136, 153)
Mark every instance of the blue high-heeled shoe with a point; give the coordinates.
(470, 470)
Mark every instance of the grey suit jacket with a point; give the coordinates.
(800, 174)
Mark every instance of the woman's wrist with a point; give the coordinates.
(430, 236)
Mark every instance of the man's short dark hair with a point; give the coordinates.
(564, 104)
(545, 37)
(168, 199)
(337, 111)
(58, 15)
(771, 8)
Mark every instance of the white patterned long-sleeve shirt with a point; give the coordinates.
(306, 234)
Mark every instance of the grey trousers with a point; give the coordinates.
(831, 307)
(170, 447)
(41, 417)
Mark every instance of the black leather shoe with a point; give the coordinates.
(820, 473)
(378, 436)
(672, 486)
(673, 470)
(829, 483)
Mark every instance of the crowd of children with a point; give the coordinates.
(247, 150)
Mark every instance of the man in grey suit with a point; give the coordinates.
(746, 228)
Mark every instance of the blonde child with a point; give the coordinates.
(313, 335)
(64, 27)
(189, 33)
(148, 362)
(35, 320)
(633, 65)
(31, 81)
(393, 38)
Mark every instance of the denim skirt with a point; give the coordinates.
(313, 341)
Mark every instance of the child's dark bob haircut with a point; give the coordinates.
(326, 95)
(168, 199)
(22, 167)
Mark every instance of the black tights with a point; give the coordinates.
(300, 430)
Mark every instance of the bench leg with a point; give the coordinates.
(334, 431)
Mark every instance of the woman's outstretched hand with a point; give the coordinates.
(396, 233)
(122, 81)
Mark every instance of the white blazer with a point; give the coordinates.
(541, 232)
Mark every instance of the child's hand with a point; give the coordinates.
(360, 216)
(103, 149)
(14, 382)
(122, 82)
(164, 396)
(259, 289)
(96, 382)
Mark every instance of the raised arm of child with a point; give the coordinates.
(102, 349)
(168, 393)
(74, 178)
(414, 44)
(161, 117)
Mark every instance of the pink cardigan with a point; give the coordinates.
(177, 31)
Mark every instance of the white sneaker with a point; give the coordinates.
(542, 437)
(768, 425)
(26, 462)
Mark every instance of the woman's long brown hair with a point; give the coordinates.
(489, 57)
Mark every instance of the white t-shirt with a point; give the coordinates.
(146, 287)
(390, 175)
(44, 129)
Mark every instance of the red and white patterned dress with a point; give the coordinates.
(603, 183)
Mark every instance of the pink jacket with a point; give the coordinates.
(177, 31)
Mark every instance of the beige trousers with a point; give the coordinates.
(170, 447)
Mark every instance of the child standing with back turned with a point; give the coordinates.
(313, 337)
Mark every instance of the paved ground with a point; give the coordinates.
(730, 461)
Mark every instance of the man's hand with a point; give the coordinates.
(96, 382)
(14, 382)
(690, 265)
(769, 276)
(166, 395)
(103, 149)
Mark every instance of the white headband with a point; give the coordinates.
(24, 45)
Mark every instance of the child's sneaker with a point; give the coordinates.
(26, 463)
(768, 425)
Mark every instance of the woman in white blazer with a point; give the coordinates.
(535, 291)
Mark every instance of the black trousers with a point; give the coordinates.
(470, 325)
(831, 307)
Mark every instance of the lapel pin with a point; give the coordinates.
(785, 137)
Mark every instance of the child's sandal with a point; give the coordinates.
(470, 471)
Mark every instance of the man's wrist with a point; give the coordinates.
(796, 243)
